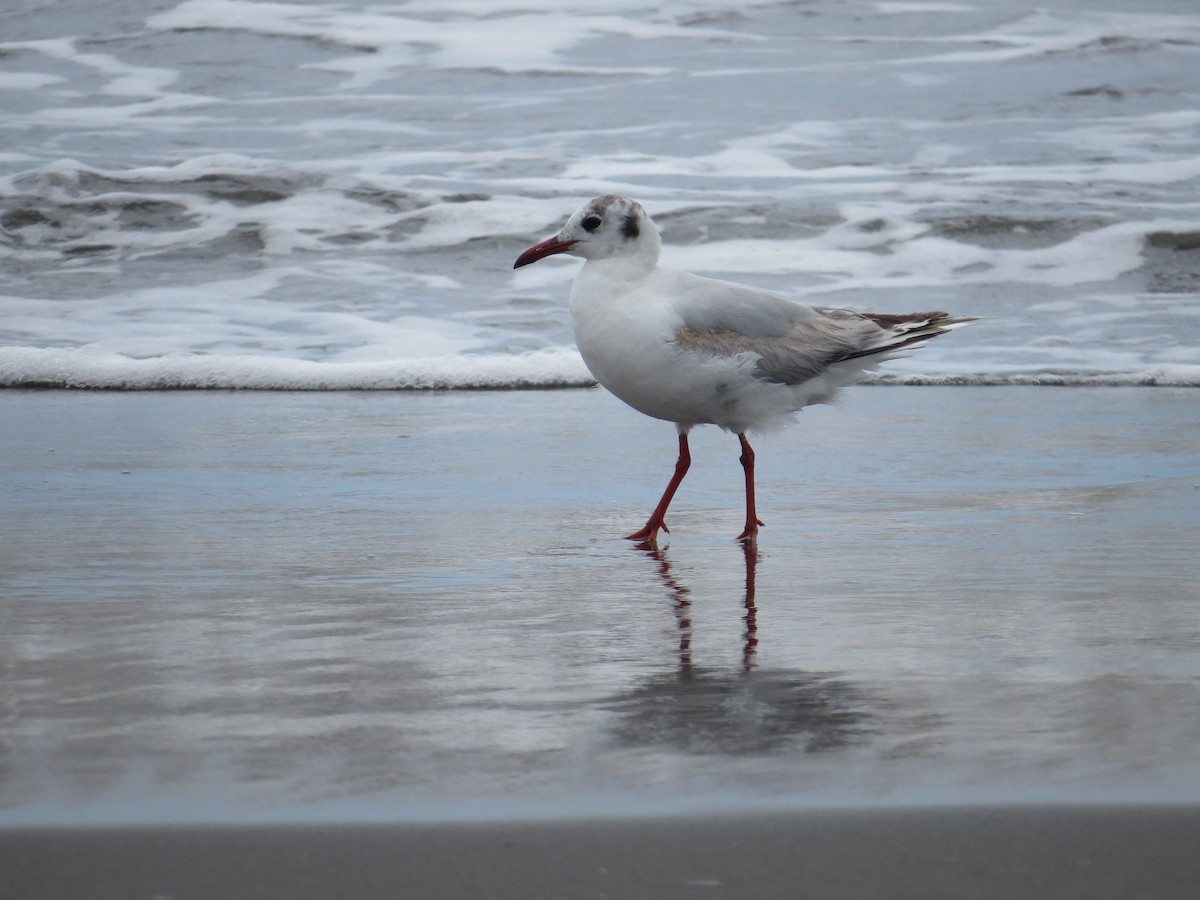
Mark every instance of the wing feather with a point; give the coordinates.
(714, 305)
(790, 342)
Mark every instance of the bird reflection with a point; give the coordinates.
(750, 637)
(681, 595)
(746, 710)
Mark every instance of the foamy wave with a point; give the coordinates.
(560, 367)
(327, 195)
(1044, 33)
(508, 40)
(58, 368)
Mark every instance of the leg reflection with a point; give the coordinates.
(681, 595)
(732, 710)
(750, 647)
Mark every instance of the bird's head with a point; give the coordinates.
(603, 228)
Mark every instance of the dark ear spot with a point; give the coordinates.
(630, 228)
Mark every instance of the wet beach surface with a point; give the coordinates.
(368, 642)
(294, 606)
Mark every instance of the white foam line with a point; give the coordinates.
(558, 367)
(67, 368)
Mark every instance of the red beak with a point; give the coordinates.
(541, 251)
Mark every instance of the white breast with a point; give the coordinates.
(626, 330)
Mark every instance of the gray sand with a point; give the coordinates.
(1006, 854)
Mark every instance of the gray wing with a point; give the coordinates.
(714, 305)
(794, 342)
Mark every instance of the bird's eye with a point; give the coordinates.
(591, 223)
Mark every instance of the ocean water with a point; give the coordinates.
(223, 193)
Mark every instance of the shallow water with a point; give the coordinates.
(235, 194)
(347, 606)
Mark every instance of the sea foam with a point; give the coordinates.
(219, 193)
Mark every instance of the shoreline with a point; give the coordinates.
(1152, 378)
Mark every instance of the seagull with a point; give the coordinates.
(700, 351)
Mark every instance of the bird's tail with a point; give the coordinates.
(908, 330)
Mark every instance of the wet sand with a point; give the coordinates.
(393, 645)
(1095, 853)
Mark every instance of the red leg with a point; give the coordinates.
(649, 533)
(750, 533)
